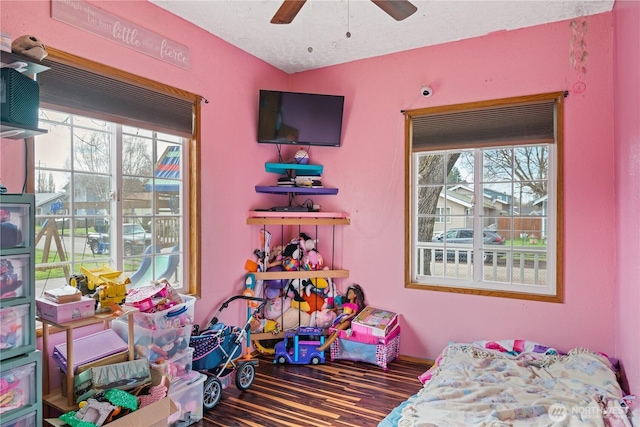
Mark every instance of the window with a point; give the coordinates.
(443, 214)
(114, 190)
(482, 197)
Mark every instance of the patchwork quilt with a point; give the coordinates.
(515, 383)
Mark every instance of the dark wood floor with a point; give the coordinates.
(338, 393)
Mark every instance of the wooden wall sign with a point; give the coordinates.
(89, 18)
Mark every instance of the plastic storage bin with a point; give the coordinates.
(154, 344)
(14, 276)
(188, 394)
(15, 229)
(26, 420)
(15, 330)
(17, 388)
(380, 353)
(176, 317)
(176, 367)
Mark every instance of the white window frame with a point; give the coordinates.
(115, 256)
(442, 215)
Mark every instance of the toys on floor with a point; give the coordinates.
(299, 347)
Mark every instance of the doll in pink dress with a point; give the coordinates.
(355, 303)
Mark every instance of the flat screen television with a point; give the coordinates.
(300, 118)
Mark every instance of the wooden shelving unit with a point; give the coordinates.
(265, 218)
(299, 218)
(54, 398)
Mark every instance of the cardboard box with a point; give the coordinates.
(155, 415)
(374, 321)
(61, 313)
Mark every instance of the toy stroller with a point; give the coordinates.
(218, 350)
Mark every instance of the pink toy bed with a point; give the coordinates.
(514, 383)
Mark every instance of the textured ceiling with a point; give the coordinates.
(317, 37)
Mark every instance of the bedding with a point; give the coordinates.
(514, 383)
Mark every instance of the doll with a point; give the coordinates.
(350, 308)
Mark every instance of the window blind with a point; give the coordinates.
(122, 102)
(497, 125)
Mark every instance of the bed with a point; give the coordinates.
(514, 383)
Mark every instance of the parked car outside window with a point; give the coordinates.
(465, 236)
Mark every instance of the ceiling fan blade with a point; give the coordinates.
(288, 10)
(397, 9)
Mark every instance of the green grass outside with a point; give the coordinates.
(58, 272)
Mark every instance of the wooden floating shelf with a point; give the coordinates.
(301, 274)
(266, 336)
(298, 221)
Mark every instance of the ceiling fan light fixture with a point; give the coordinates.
(287, 11)
(397, 9)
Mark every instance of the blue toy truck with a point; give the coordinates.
(300, 347)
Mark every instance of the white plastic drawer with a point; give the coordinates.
(15, 277)
(15, 225)
(18, 388)
(16, 330)
(27, 420)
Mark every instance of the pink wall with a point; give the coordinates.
(627, 177)
(369, 167)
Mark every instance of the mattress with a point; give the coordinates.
(515, 383)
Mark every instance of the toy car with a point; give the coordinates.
(300, 347)
(106, 285)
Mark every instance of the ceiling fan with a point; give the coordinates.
(397, 9)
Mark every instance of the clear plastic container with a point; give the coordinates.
(14, 276)
(188, 394)
(178, 366)
(156, 345)
(26, 420)
(177, 316)
(15, 230)
(18, 388)
(15, 330)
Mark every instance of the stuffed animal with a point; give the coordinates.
(296, 250)
(315, 302)
(292, 318)
(295, 290)
(29, 46)
(276, 306)
(264, 325)
(313, 260)
(322, 318)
